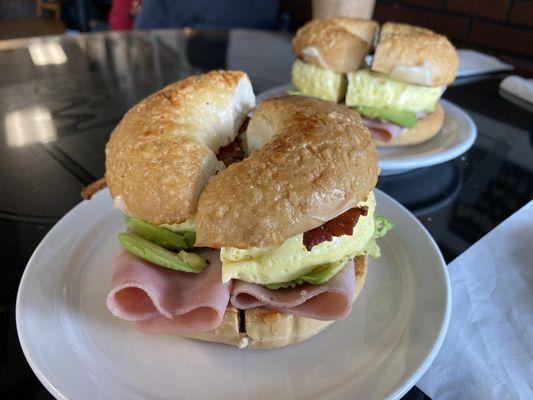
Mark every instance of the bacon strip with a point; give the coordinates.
(341, 225)
(90, 190)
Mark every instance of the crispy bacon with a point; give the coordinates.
(90, 190)
(234, 151)
(341, 225)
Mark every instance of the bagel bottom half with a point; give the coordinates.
(267, 329)
(425, 129)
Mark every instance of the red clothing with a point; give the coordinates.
(119, 17)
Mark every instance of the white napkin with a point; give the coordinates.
(518, 86)
(488, 350)
(473, 62)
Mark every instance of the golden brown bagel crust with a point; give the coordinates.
(338, 44)
(404, 46)
(425, 129)
(266, 329)
(394, 28)
(321, 162)
(162, 153)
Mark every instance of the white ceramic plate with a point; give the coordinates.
(457, 135)
(79, 351)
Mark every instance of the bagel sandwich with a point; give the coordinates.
(260, 253)
(397, 94)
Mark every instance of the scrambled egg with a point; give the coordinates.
(372, 89)
(318, 82)
(291, 260)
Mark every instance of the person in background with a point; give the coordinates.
(122, 14)
(262, 14)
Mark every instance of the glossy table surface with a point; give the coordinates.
(60, 98)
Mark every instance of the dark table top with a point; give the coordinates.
(60, 97)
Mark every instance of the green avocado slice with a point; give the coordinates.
(285, 285)
(190, 238)
(295, 92)
(182, 261)
(317, 276)
(161, 236)
(400, 117)
(325, 272)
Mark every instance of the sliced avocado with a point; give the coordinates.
(189, 237)
(317, 276)
(160, 236)
(285, 285)
(400, 117)
(295, 92)
(182, 261)
(325, 272)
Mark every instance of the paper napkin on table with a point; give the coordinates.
(488, 350)
(518, 86)
(473, 62)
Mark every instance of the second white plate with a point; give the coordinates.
(457, 135)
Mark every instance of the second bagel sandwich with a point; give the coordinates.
(264, 253)
(397, 93)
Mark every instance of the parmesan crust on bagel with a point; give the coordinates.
(163, 152)
(311, 161)
(338, 44)
(415, 55)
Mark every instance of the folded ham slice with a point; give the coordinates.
(382, 131)
(329, 301)
(161, 300)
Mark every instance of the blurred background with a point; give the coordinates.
(500, 27)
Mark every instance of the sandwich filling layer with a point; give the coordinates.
(388, 106)
(378, 91)
(292, 260)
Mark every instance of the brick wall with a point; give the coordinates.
(501, 27)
